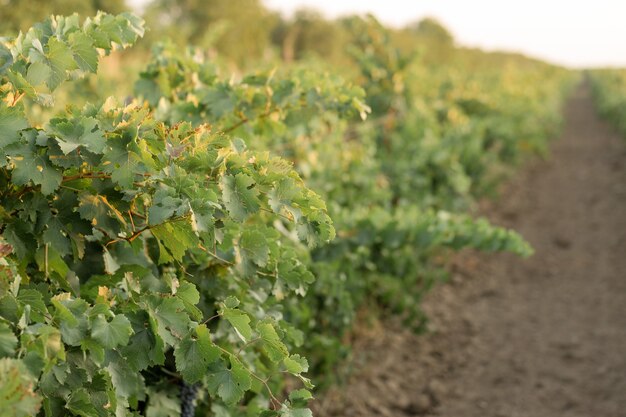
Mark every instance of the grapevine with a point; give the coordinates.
(608, 88)
(174, 254)
(103, 209)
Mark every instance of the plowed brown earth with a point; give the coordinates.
(542, 337)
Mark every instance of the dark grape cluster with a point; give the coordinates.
(188, 393)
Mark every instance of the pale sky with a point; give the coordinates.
(574, 33)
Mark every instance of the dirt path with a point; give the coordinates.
(543, 337)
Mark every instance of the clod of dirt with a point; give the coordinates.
(562, 243)
(437, 391)
(421, 405)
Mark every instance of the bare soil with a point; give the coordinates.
(542, 337)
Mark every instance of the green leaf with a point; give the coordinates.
(34, 299)
(139, 351)
(78, 132)
(21, 84)
(9, 309)
(80, 403)
(240, 196)
(157, 351)
(283, 194)
(240, 321)
(17, 398)
(124, 159)
(38, 73)
(294, 274)
(127, 382)
(96, 350)
(110, 264)
(193, 355)
(231, 302)
(51, 343)
(297, 412)
(54, 235)
(188, 293)
(219, 99)
(172, 320)
(71, 313)
(296, 364)
(17, 234)
(122, 29)
(230, 384)
(111, 334)
(135, 25)
(163, 207)
(300, 395)
(100, 213)
(12, 120)
(254, 247)
(31, 165)
(162, 404)
(272, 345)
(84, 52)
(6, 58)
(177, 237)
(55, 266)
(61, 60)
(8, 341)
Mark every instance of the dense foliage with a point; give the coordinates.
(609, 91)
(104, 210)
(22, 14)
(172, 248)
(400, 187)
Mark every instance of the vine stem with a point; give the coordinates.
(245, 120)
(265, 274)
(46, 261)
(170, 373)
(132, 222)
(137, 233)
(91, 175)
(96, 176)
(216, 256)
(240, 123)
(132, 237)
(211, 318)
(16, 98)
(76, 190)
(250, 342)
(141, 216)
(279, 214)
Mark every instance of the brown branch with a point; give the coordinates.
(16, 99)
(245, 120)
(100, 176)
(23, 191)
(128, 239)
(236, 125)
(132, 222)
(141, 216)
(97, 176)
